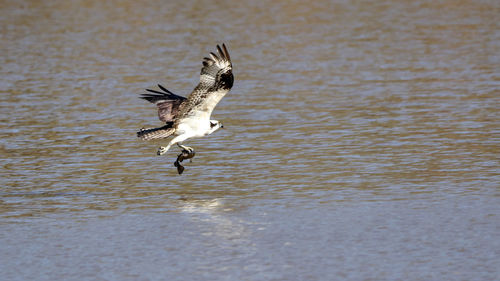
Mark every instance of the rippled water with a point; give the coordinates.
(361, 142)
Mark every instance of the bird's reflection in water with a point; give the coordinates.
(220, 224)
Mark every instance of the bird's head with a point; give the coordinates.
(215, 125)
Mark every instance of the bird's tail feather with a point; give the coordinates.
(155, 133)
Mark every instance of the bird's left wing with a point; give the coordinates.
(168, 103)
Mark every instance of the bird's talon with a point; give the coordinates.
(161, 150)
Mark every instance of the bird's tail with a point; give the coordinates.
(156, 133)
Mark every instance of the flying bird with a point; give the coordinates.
(189, 117)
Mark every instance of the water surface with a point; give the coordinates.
(360, 142)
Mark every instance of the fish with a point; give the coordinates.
(185, 154)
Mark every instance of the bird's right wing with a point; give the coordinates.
(216, 79)
(168, 103)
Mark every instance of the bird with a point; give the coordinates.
(189, 117)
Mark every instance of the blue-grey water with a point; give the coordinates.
(361, 141)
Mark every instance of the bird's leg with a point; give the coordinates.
(163, 149)
(187, 153)
(190, 150)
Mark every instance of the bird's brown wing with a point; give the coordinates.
(167, 102)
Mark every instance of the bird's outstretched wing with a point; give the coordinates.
(216, 79)
(213, 65)
(168, 103)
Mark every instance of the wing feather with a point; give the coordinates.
(220, 52)
(216, 79)
(167, 102)
(214, 57)
(226, 53)
(165, 90)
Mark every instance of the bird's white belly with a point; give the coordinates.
(194, 127)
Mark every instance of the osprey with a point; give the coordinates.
(189, 117)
